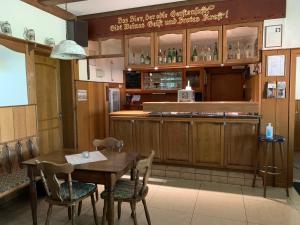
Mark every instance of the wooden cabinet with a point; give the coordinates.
(147, 137)
(208, 146)
(170, 48)
(242, 43)
(106, 47)
(122, 129)
(204, 46)
(177, 141)
(139, 51)
(240, 142)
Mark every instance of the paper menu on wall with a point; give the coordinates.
(77, 159)
(281, 89)
(276, 65)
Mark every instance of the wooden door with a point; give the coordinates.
(123, 130)
(176, 141)
(240, 142)
(48, 104)
(147, 137)
(208, 144)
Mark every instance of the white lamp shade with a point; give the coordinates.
(68, 50)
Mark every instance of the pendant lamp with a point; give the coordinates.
(68, 49)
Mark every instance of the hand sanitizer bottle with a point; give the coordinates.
(269, 131)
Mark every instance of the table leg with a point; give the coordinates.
(110, 206)
(33, 195)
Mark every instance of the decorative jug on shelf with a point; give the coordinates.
(50, 41)
(29, 34)
(5, 28)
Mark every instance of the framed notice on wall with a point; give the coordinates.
(273, 37)
(276, 65)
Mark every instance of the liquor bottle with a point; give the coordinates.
(169, 58)
(202, 54)
(142, 59)
(230, 52)
(255, 48)
(173, 55)
(164, 59)
(147, 59)
(160, 57)
(248, 52)
(208, 54)
(195, 54)
(215, 53)
(179, 56)
(238, 51)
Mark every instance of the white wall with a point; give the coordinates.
(20, 15)
(291, 25)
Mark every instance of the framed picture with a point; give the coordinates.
(276, 65)
(273, 37)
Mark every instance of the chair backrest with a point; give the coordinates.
(143, 168)
(48, 173)
(108, 143)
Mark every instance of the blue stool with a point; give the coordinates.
(268, 148)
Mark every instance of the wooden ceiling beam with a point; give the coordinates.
(57, 2)
(54, 10)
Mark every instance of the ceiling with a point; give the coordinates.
(99, 6)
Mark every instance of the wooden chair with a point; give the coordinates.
(109, 143)
(132, 191)
(68, 193)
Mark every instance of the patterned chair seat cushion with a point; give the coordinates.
(79, 190)
(124, 189)
(13, 180)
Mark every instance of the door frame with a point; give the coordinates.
(292, 113)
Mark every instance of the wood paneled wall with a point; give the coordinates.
(92, 115)
(276, 111)
(17, 122)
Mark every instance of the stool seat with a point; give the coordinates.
(276, 139)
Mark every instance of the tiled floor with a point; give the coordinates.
(182, 202)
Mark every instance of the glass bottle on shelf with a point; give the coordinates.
(164, 58)
(248, 52)
(238, 51)
(255, 48)
(202, 54)
(174, 55)
(160, 57)
(133, 58)
(147, 59)
(195, 54)
(179, 56)
(230, 52)
(215, 52)
(209, 54)
(169, 58)
(142, 59)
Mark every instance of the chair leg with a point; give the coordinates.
(73, 214)
(97, 193)
(94, 209)
(119, 209)
(70, 212)
(49, 212)
(133, 204)
(104, 212)
(146, 211)
(79, 208)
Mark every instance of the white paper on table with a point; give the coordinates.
(79, 159)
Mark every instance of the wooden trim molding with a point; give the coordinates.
(54, 10)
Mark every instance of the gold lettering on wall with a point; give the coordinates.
(163, 19)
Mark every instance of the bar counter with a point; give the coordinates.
(224, 140)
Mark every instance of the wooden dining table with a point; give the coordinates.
(105, 172)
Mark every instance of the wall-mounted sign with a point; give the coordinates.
(276, 65)
(82, 95)
(273, 36)
(217, 13)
